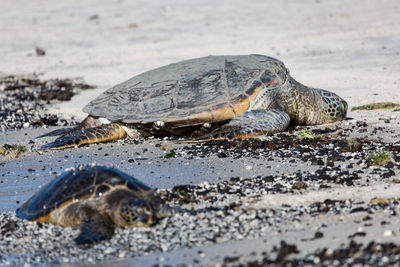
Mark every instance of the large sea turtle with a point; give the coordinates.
(214, 97)
(97, 199)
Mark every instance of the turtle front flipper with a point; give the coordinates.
(251, 124)
(95, 229)
(102, 133)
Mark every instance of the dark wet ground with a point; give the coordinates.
(279, 199)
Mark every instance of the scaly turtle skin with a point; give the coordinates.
(97, 199)
(214, 97)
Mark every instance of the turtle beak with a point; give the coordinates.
(342, 110)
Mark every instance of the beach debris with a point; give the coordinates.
(12, 151)
(379, 201)
(353, 146)
(169, 155)
(304, 134)
(380, 157)
(373, 106)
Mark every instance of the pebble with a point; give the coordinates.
(387, 233)
(249, 167)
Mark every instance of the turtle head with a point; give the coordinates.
(333, 107)
(138, 213)
(311, 106)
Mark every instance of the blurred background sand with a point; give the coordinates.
(348, 47)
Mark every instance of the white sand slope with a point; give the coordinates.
(349, 47)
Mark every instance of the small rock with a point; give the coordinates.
(388, 233)
(94, 17)
(166, 147)
(318, 162)
(299, 185)
(40, 52)
(249, 167)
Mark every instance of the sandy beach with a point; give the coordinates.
(351, 48)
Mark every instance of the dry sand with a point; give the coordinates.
(348, 47)
(351, 48)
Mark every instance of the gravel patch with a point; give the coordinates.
(24, 100)
(335, 157)
(216, 217)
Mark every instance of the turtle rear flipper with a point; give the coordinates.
(58, 132)
(251, 124)
(95, 229)
(102, 133)
(88, 122)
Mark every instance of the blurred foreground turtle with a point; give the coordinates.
(214, 97)
(97, 199)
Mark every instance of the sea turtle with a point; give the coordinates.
(97, 199)
(214, 97)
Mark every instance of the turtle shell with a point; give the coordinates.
(80, 183)
(208, 89)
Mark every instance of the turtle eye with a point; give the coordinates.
(101, 190)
